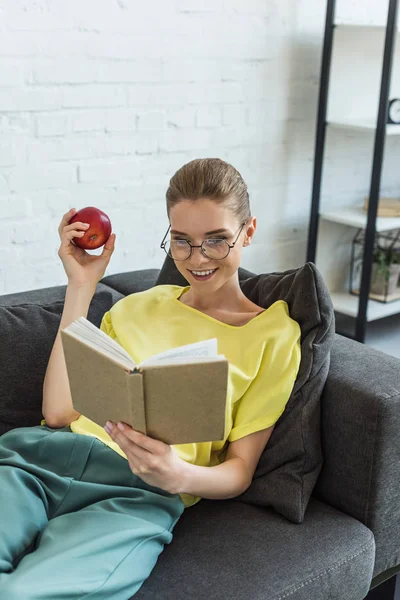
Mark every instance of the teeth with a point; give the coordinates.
(203, 273)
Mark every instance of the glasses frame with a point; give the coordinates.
(230, 246)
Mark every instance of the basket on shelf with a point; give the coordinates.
(385, 272)
(387, 206)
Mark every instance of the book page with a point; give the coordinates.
(94, 337)
(184, 360)
(199, 350)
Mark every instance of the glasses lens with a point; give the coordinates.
(177, 249)
(216, 248)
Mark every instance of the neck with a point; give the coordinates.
(229, 297)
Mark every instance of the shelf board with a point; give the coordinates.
(390, 298)
(367, 26)
(356, 217)
(347, 304)
(363, 125)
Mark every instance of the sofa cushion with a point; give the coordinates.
(290, 465)
(131, 282)
(224, 549)
(28, 323)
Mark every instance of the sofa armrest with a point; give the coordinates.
(132, 281)
(360, 427)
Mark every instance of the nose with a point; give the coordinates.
(198, 258)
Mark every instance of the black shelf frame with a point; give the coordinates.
(379, 145)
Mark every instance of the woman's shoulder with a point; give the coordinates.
(285, 322)
(277, 321)
(281, 308)
(278, 308)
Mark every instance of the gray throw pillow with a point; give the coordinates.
(292, 460)
(28, 325)
(291, 463)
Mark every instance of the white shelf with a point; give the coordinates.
(355, 79)
(367, 26)
(356, 217)
(363, 125)
(347, 304)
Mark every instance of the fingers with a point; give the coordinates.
(68, 235)
(66, 219)
(109, 246)
(65, 222)
(68, 231)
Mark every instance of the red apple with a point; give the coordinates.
(99, 230)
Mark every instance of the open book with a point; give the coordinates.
(177, 396)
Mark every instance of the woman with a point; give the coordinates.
(86, 510)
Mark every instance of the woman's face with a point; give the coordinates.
(198, 220)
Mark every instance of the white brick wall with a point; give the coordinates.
(101, 101)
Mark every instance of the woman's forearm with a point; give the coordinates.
(227, 480)
(57, 407)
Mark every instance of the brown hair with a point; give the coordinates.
(210, 178)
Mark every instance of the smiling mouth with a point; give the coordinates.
(206, 274)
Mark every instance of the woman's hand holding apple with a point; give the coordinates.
(81, 268)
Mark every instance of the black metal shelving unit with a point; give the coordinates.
(380, 135)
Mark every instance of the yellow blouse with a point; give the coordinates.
(264, 358)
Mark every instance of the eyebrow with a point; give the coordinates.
(175, 231)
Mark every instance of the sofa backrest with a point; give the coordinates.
(29, 323)
(290, 465)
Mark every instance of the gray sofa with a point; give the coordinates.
(349, 541)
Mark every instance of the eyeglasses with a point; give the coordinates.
(214, 248)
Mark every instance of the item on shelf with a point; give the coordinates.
(387, 207)
(385, 272)
(394, 111)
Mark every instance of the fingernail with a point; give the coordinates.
(120, 426)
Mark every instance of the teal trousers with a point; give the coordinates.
(75, 522)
